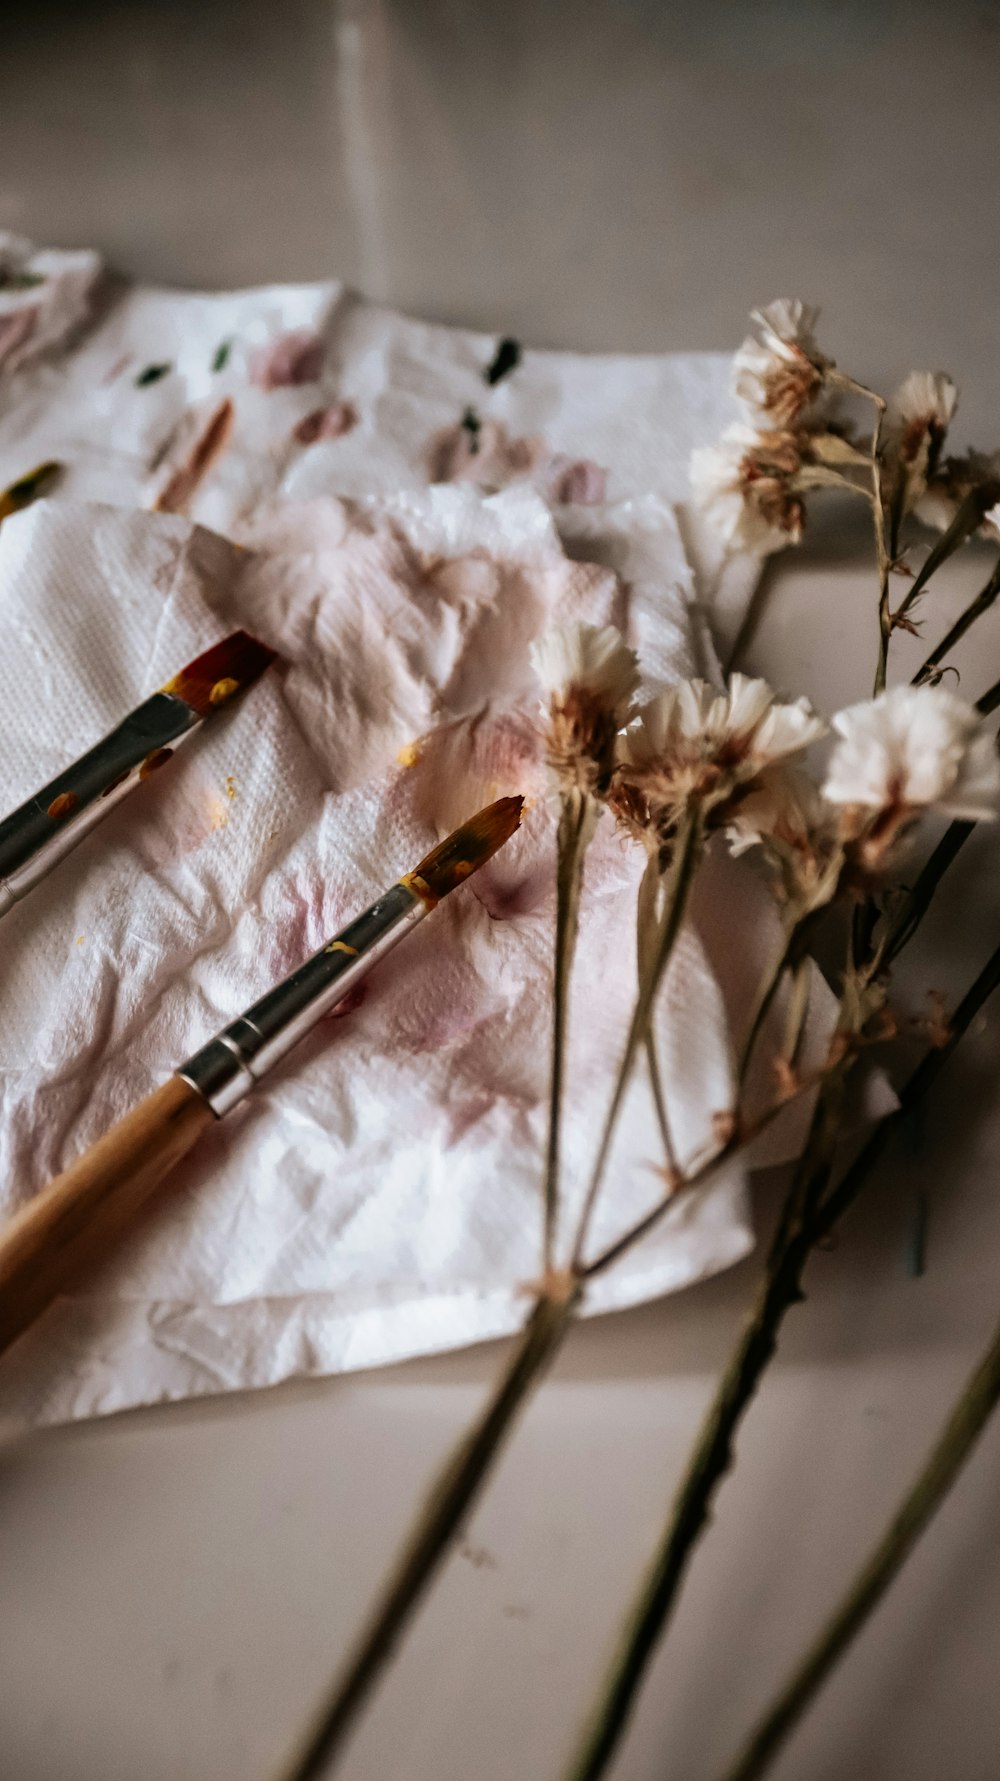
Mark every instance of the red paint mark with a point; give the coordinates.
(352, 1000)
(326, 423)
(15, 329)
(291, 359)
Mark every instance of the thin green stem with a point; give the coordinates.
(798, 1007)
(577, 821)
(709, 1462)
(911, 908)
(810, 1212)
(455, 1490)
(646, 924)
(967, 518)
(831, 1208)
(921, 1502)
(975, 609)
(787, 959)
(990, 700)
(883, 558)
(687, 853)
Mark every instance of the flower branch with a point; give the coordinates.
(961, 1430)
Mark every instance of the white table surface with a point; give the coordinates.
(176, 1585)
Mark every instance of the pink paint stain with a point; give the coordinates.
(352, 1000)
(326, 423)
(291, 359)
(574, 480)
(15, 329)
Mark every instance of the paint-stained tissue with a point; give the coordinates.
(379, 1197)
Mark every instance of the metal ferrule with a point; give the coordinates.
(49, 825)
(228, 1067)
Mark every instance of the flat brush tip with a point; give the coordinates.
(215, 677)
(460, 854)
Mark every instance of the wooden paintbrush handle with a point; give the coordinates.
(71, 1226)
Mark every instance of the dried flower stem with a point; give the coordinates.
(577, 821)
(909, 913)
(687, 853)
(810, 1212)
(882, 556)
(452, 1495)
(955, 1443)
(709, 1462)
(968, 516)
(786, 959)
(957, 1438)
(982, 603)
(645, 925)
(798, 1008)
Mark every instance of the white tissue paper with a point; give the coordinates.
(380, 1195)
(333, 394)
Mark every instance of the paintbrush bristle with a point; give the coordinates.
(224, 670)
(455, 858)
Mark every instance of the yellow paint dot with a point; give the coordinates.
(342, 946)
(223, 690)
(230, 786)
(80, 939)
(409, 754)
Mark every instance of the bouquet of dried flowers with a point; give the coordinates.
(700, 767)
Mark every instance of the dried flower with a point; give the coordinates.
(916, 421)
(692, 743)
(913, 749)
(785, 814)
(747, 485)
(958, 477)
(590, 676)
(779, 371)
(784, 804)
(919, 415)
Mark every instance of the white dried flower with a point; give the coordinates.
(779, 370)
(590, 676)
(922, 406)
(591, 658)
(913, 434)
(694, 743)
(784, 804)
(913, 749)
(785, 814)
(746, 486)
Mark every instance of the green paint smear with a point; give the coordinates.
(152, 374)
(221, 356)
(21, 281)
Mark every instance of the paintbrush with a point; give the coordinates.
(72, 1224)
(36, 836)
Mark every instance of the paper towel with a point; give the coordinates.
(379, 1196)
(121, 405)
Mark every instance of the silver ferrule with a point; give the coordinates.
(229, 1066)
(36, 836)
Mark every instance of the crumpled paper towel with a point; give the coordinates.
(379, 1196)
(334, 394)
